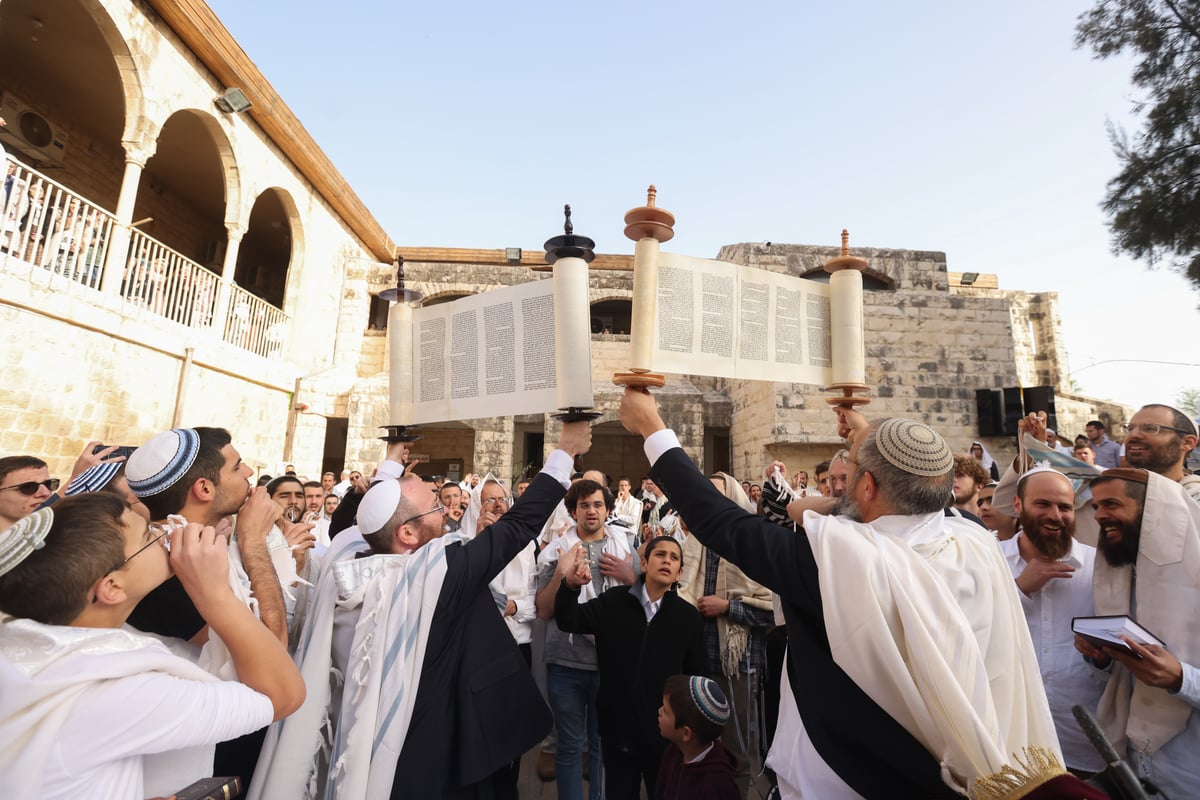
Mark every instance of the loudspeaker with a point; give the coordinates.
(1041, 398)
(989, 404)
(1014, 409)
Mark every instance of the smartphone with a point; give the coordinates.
(211, 789)
(122, 450)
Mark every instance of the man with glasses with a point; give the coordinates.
(446, 713)
(1158, 438)
(88, 704)
(25, 484)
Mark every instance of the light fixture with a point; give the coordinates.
(512, 255)
(968, 278)
(233, 101)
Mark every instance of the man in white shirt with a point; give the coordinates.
(90, 708)
(1054, 574)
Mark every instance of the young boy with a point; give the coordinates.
(698, 767)
(91, 708)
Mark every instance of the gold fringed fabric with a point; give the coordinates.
(1033, 767)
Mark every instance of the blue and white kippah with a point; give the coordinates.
(159, 464)
(709, 699)
(23, 538)
(93, 479)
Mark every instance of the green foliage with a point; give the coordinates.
(1153, 203)
(1188, 401)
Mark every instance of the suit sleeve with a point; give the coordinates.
(571, 616)
(773, 556)
(500, 542)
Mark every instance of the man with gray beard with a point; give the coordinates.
(1054, 575)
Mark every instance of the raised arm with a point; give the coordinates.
(255, 521)
(773, 556)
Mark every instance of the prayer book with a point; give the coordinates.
(1107, 632)
(211, 789)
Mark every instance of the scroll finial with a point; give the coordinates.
(568, 228)
(651, 193)
(845, 242)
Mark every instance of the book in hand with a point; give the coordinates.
(211, 789)
(1107, 632)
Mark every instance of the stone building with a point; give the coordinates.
(169, 257)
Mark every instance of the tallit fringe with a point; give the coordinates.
(737, 642)
(1034, 766)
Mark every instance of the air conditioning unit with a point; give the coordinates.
(30, 132)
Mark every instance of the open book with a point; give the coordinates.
(1107, 632)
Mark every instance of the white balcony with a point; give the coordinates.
(55, 238)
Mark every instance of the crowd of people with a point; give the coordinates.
(902, 626)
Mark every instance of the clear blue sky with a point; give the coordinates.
(976, 129)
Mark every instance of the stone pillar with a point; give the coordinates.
(233, 242)
(118, 245)
(493, 447)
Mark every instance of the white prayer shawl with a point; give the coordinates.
(295, 756)
(474, 510)
(615, 544)
(923, 615)
(986, 461)
(397, 595)
(1166, 598)
(44, 670)
(214, 655)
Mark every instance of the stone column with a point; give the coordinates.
(493, 447)
(233, 242)
(118, 245)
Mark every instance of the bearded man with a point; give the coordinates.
(1150, 570)
(1054, 574)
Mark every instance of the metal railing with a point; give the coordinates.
(168, 284)
(254, 324)
(49, 233)
(45, 225)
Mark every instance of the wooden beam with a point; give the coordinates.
(496, 258)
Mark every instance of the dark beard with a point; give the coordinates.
(1124, 552)
(846, 507)
(1150, 460)
(1052, 547)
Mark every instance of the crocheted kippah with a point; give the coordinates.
(159, 464)
(914, 448)
(377, 506)
(709, 699)
(27, 535)
(93, 479)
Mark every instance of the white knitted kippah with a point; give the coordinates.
(23, 538)
(914, 448)
(1043, 466)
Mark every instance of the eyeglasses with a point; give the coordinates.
(153, 529)
(30, 488)
(491, 502)
(438, 509)
(1152, 428)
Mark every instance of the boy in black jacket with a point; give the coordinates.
(644, 634)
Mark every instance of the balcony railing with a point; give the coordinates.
(49, 233)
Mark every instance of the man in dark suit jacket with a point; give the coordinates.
(871, 753)
(477, 707)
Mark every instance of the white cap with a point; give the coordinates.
(378, 505)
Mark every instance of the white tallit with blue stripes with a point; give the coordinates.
(351, 750)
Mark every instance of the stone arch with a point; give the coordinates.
(272, 245)
(70, 64)
(190, 189)
(137, 127)
(612, 314)
(447, 295)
